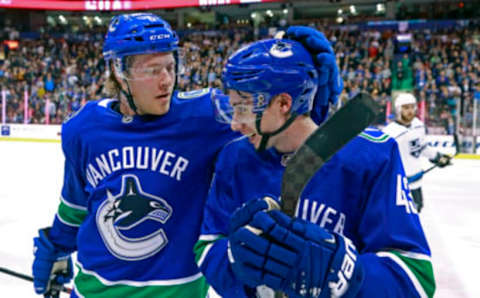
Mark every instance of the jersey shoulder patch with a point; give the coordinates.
(193, 94)
(374, 135)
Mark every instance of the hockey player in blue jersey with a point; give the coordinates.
(137, 171)
(356, 232)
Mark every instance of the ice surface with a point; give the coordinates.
(31, 177)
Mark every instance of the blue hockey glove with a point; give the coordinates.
(244, 214)
(330, 83)
(52, 267)
(239, 256)
(442, 160)
(297, 257)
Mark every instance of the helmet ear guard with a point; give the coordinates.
(120, 67)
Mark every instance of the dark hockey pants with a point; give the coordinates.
(418, 198)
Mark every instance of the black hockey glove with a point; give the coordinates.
(442, 160)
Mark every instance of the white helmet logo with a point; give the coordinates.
(113, 25)
(281, 50)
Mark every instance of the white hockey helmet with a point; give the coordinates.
(404, 99)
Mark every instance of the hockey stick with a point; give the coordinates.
(328, 139)
(320, 146)
(29, 278)
(457, 151)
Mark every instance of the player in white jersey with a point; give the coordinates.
(409, 132)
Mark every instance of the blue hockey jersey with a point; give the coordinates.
(133, 196)
(361, 193)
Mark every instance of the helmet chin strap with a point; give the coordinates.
(129, 97)
(266, 135)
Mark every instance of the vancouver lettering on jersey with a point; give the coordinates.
(141, 158)
(322, 215)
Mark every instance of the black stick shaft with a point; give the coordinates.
(16, 274)
(322, 144)
(27, 277)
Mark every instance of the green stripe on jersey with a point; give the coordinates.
(90, 286)
(71, 215)
(423, 271)
(203, 242)
(381, 139)
(417, 267)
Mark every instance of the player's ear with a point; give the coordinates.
(284, 101)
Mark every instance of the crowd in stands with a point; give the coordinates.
(57, 75)
(60, 72)
(446, 69)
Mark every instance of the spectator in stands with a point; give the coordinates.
(69, 66)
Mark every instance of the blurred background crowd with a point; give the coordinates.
(58, 70)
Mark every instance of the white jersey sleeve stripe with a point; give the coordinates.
(204, 254)
(74, 206)
(414, 255)
(209, 237)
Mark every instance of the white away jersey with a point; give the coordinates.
(412, 144)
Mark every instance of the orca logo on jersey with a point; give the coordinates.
(119, 220)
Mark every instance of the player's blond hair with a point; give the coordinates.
(112, 86)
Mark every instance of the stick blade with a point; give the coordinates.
(328, 139)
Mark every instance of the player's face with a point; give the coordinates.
(244, 119)
(152, 82)
(408, 113)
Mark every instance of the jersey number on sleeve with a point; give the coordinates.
(404, 197)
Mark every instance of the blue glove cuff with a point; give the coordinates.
(47, 247)
(347, 273)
